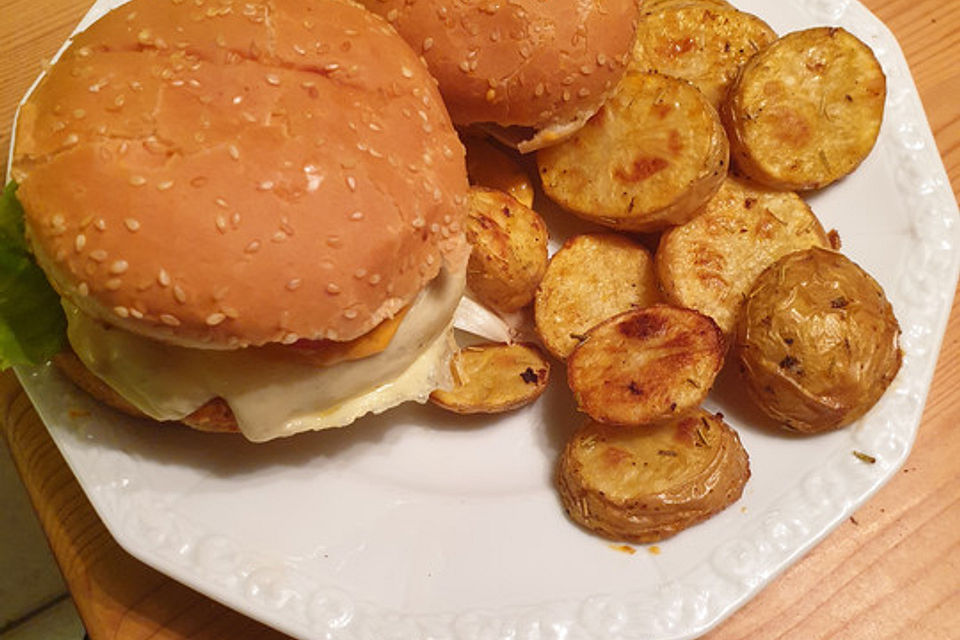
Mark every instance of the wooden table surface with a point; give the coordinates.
(891, 571)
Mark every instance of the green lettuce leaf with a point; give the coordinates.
(32, 323)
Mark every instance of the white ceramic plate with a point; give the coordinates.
(420, 525)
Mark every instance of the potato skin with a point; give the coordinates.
(494, 377)
(817, 343)
(653, 154)
(644, 484)
(646, 365)
(710, 263)
(590, 278)
(806, 110)
(509, 249)
(491, 166)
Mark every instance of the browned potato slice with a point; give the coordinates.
(817, 342)
(648, 159)
(489, 165)
(509, 249)
(806, 110)
(710, 263)
(656, 5)
(643, 484)
(590, 278)
(699, 42)
(645, 365)
(494, 377)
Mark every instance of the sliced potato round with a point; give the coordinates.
(490, 165)
(643, 484)
(806, 110)
(817, 342)
(699, 42)
(710, 263)
(494, 377)
(655, 5)
(509, 249)
(590, 278)
(647, 160)
(646, 365)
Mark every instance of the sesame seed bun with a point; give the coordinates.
(221, 175)
(527, 63)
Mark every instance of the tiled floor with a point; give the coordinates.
(34, 604)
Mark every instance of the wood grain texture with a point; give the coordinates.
(891, 572)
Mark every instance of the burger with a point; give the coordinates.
(527, 71)
(251, 212)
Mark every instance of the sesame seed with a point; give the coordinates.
(234, 152)
(266, 185)
(119, 266)
(360, 273)
(83, 289)
(299, 49)
(333, 288)
(279, 236)
(71, 140)
(356, 215)
(132, 224)
(138, 181)
(332, 334)
(230, 312)
(122, 312)
(350, 314)
(136, 313)
(163, 278)
(419, 222)
(352, 183)
(215, 318)
(98, 255)
(169, 320)
(406, 72)
(235, 219)
(290, 338)
(294, 284)
(179, 294)
(113, 284)
(334, 242)
(374, 279)
(79, 242)
(253, 247)
(163, 186)
(221, 222)
(222, 203)
(601, 59)
(272, 79)
(100, 224)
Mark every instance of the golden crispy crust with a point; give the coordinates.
(643, 484)
(220, 175)
(646, 365)
(710, 263)
(214, 416)
(806, 110)
(649, 159)
(524, 62)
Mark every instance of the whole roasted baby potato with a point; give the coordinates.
(509, 249)
(817, 341)
(646, 365)
(643, 484)
(494, 377)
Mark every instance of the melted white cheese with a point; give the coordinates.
(271, 396)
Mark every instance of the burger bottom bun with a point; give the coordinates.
(214, 417)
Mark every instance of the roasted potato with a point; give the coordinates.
(646, 365)
(699, 42)
(710, 263)
(489, 165)
(655, 5)
(806, 110)
(508, 254)
(590, 278)
(644, 484)
(494, 377)
(653, 154)
(817, 341)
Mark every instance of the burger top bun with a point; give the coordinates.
(220, 174)
(531, 63)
